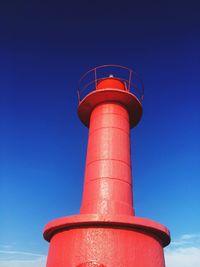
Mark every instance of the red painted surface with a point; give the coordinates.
(108, 181)
(106, 233)
(109, 83)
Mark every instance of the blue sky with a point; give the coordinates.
(45, 47)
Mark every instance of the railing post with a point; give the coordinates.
(129, 82)
(78, 93)
(95, 77)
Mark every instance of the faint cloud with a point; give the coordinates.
(187, 239)
(191, 237)
(39, 262)
(20, 253)
(13, 258)
(183, 257)
(7, 246)
(184, 252)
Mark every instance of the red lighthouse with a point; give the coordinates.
(107, 233)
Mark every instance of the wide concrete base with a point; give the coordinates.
(105, 241)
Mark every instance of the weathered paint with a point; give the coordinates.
(106, 233)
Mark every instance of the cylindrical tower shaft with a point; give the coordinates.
(108, 181)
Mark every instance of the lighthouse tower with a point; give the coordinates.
(107, 233)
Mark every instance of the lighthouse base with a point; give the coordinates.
(105, 241)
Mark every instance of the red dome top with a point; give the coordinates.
(111, 83)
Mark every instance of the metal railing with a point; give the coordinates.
(129, 77)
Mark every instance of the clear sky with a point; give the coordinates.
(45, 46)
